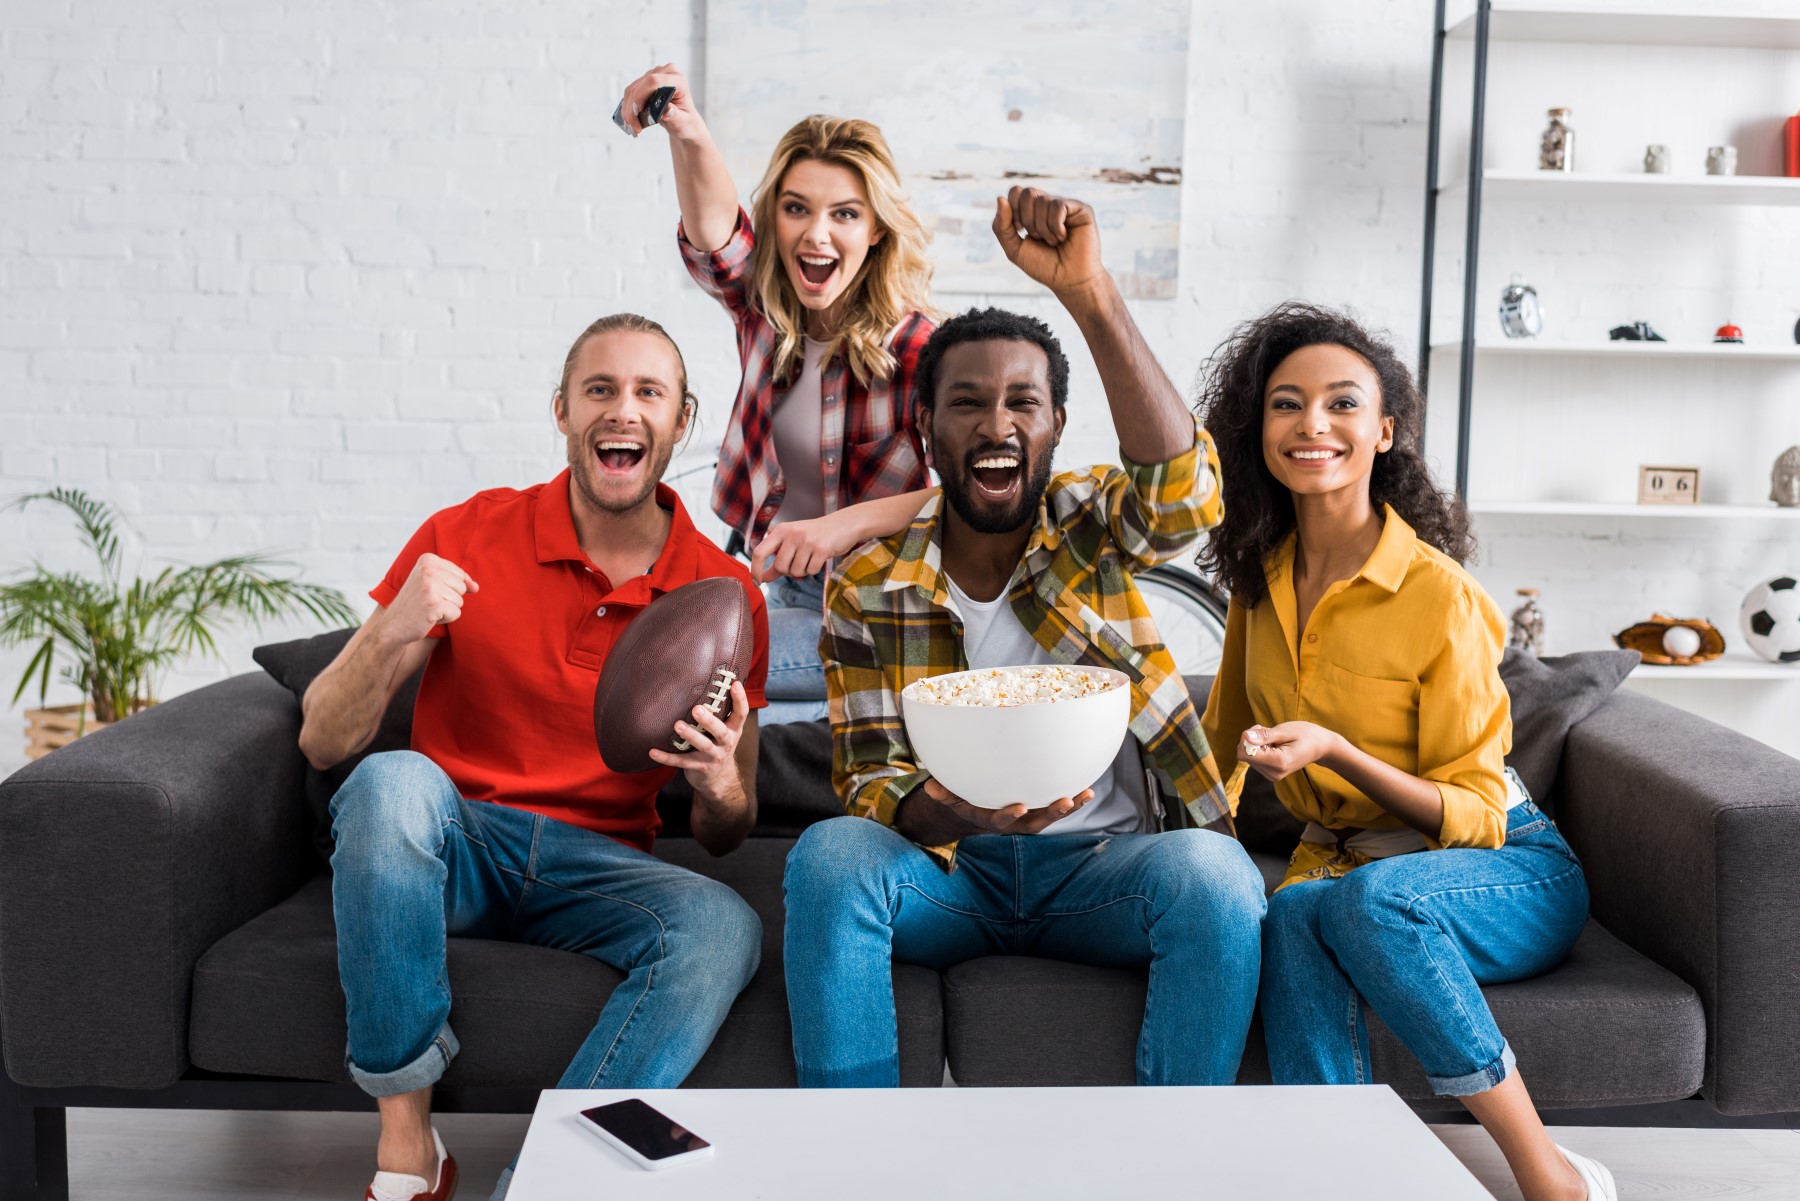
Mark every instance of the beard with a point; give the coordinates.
(984, 516)
(610, 494)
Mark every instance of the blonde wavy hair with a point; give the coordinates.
(895, 278)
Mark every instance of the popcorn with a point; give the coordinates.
(1003, 687)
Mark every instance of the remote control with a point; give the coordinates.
(651, 113)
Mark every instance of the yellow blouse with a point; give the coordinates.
(1402, 659)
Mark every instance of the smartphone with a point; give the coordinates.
(651, 113)
(648, 1137)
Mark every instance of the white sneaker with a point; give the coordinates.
(403, 1186)
(1599, 1180)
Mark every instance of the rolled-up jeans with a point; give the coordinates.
(1187, 903)
(416, 863)
(796, 687)
(1416, 936)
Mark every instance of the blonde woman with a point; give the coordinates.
(827, 281)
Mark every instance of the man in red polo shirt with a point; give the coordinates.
(502, 821)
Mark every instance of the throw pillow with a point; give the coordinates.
(1548, 697)
(295, 665)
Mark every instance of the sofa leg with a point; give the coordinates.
(34, 1154)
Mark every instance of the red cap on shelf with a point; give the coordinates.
(1728, 333)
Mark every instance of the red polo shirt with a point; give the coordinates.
(507, 704)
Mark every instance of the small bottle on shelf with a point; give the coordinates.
(1528, 624)
(1557, 151)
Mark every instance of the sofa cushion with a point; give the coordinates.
(295, 665)
(793, 783)
(1605, 1027)
(267, 1001)
(1548, 697)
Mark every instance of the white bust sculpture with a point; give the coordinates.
(1784, 479)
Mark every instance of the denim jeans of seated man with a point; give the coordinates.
(796, 687)
(1188, 903)
(415, 862)
(1416, 936)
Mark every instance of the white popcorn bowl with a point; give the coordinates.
(1031, 755)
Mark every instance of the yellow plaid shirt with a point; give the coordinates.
(890, 620)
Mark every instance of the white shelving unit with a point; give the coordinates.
(1594, 372)
(1599, 23)
(1701, 25)
(1723, 351)
(1591, 509)
(1550, 187)
(1729, 666)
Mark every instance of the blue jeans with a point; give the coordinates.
(1416, 936)
(415, 863)
(796, 688)
(1187, 903)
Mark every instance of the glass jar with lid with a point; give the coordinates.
(1557, 151)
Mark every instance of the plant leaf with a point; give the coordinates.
(39, 666)
(98, 521)
(113, 642)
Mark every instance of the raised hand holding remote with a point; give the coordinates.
(679, 116)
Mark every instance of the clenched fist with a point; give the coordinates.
(432, 596)
(1053, 239)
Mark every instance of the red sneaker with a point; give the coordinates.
(399, 1186)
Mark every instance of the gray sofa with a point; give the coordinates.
(166, 940)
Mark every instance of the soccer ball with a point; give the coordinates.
(1771, 619)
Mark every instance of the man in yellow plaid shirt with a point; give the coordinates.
(1009, 566)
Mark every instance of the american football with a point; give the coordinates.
(685, 649)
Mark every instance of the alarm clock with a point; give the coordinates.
(1520, 314)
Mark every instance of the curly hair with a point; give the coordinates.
(1259, 510)
(988, 325)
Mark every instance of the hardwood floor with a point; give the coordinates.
(211, 1155)
(1668, 1165)
(152, 1155)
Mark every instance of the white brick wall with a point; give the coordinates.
(293, 276)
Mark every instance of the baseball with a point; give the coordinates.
(1681, 641)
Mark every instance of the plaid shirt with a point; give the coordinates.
(890, 620)
(869, 448)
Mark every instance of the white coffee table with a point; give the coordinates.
(1036, 1144)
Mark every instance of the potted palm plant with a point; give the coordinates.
(112, 639)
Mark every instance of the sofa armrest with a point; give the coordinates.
(123, 857)
(1685, 829)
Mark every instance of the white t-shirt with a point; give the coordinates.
(993, 636)
(799, 435)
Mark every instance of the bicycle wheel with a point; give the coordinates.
(1189, 614)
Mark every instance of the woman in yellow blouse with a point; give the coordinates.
(1361, 675)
